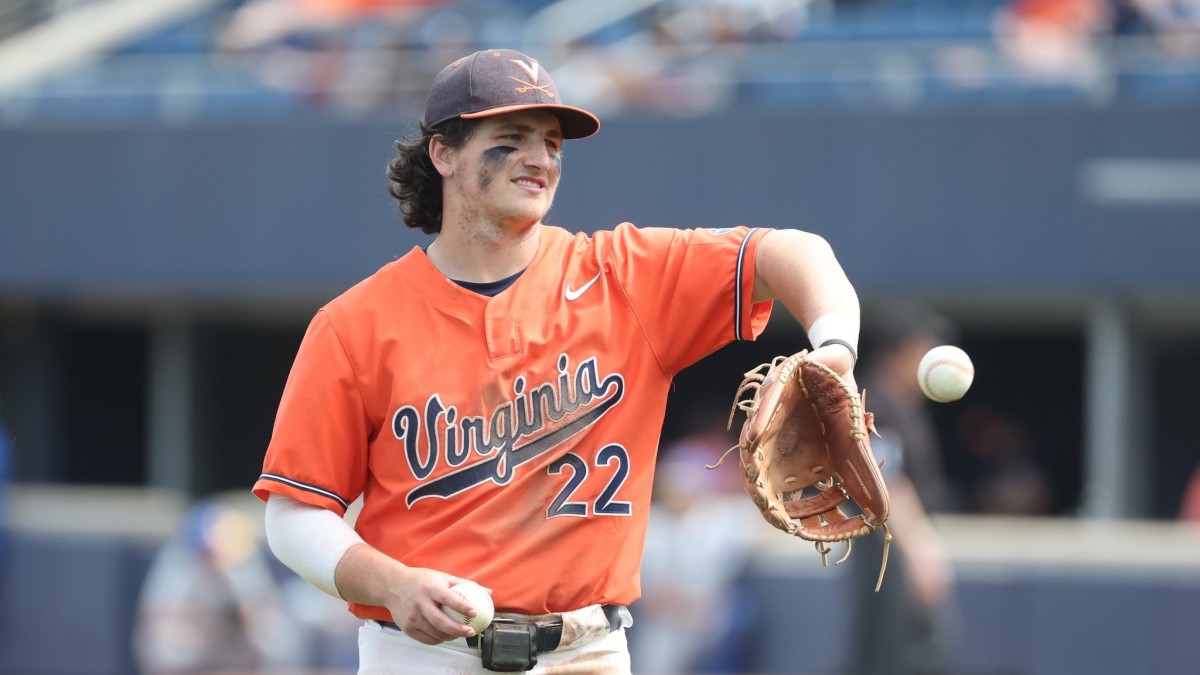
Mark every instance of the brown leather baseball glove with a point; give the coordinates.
(806, 431)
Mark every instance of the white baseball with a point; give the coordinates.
(480, 601)
(945, 373)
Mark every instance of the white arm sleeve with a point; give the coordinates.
(308, 539)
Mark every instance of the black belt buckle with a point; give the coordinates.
(509, 647)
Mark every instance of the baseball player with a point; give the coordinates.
(496, 397)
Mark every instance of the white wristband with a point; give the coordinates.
(839, 329)
(308, 539)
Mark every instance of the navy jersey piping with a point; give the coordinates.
(306, 487)
(738, 299)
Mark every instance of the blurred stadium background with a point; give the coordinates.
(183, 182)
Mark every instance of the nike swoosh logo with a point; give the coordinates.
(573, 294)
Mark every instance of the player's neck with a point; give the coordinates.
(483, 254)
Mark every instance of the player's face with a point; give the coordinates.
(508, 171)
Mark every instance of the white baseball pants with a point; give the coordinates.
(385, 651)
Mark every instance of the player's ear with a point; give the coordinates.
(442, 156)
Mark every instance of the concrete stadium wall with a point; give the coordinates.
(1034, 596)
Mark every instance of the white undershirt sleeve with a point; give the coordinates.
(310, 540)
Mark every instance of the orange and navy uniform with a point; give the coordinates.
(511, 439)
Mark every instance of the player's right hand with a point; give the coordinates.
(417, 597)
(839, 359)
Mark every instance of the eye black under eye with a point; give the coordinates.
(498, 152)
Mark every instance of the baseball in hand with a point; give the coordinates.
(945, 373)
(480, 601)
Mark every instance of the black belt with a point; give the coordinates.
(548, 626)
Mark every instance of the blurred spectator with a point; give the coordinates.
(1190, 510)
(6, 451)
(259, 23)
(1053, 42)
(210, 602)
(698, 545)
(355, 54)
(763, 21)
(908, 618)
(1001, 474)
(668, 65)
(1174, 24)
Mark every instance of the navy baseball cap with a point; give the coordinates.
(498, 81)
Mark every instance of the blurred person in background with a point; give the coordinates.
(699, 540)
(210, 602)
(1001, 474)
(1173, 24)
(355, 55)
(1190, 509)
(906, 620)
(259, 23)
(6, 451)
(1054, 42)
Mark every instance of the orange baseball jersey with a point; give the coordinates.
(511, 439)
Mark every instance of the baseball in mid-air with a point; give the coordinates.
(945, 373)
(480, 601)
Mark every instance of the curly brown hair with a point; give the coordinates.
(415, 181)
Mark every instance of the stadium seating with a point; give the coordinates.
(887, 52)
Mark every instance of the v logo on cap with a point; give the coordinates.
(532, 70)
(533, 75)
